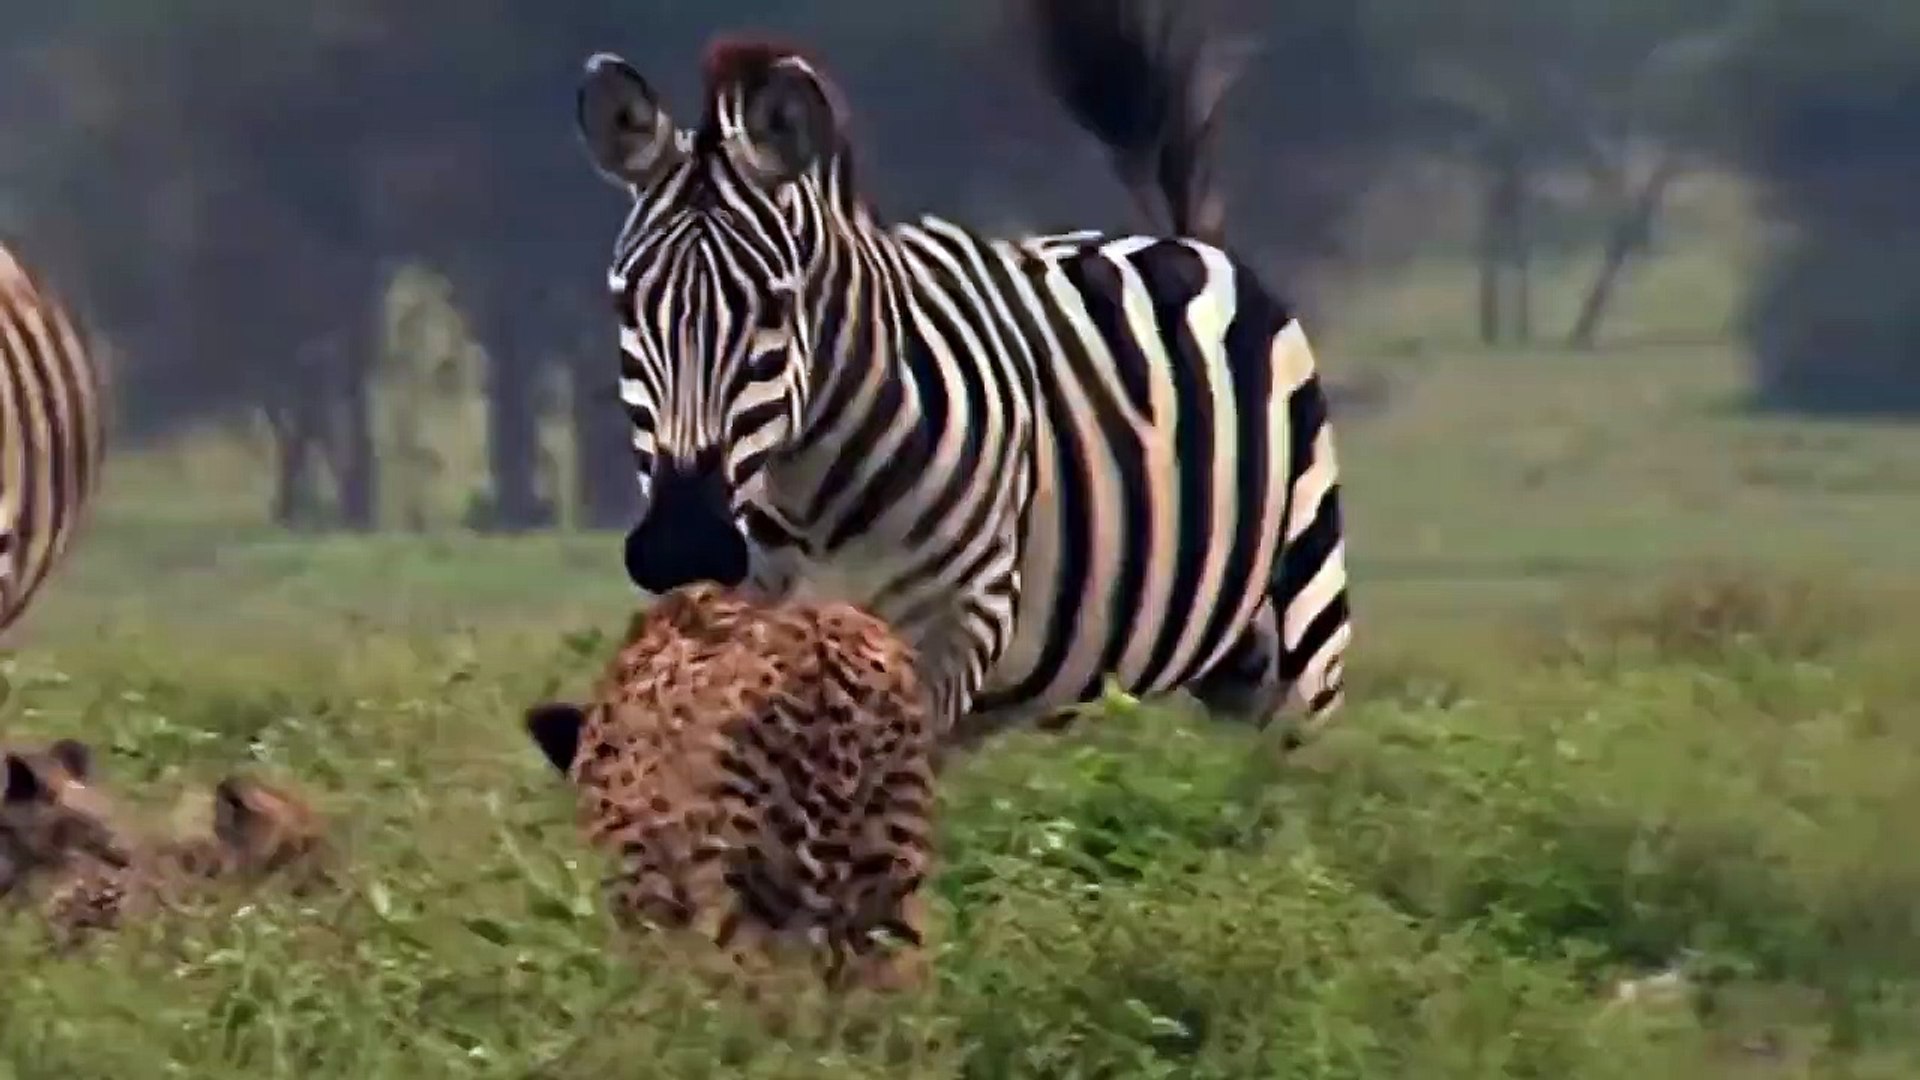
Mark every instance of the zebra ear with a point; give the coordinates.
(628, 135)
(793, 122)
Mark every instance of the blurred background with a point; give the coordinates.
(1599, 281)
(1621, 301)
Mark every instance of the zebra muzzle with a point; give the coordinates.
(689, 533)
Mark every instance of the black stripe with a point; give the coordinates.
(1101, 291)
(969, 416)
(878, 494)
(57, 437)
(1174, 276)
(1071, 491)
(1248, 344)
(1315, 545)
(1309, 553)
(1325, 623)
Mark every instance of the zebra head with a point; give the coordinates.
(708, 279)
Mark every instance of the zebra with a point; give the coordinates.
(1058, 463)
(51, 434)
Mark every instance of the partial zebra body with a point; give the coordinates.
(1045, 460)
(1145, 408)
(50, 435)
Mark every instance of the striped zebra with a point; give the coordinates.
(50, 434)
(1049, 460)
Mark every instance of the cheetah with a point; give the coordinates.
(53, 817)
(259, 831)
(763, 774)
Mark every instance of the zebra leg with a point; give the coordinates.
(953, 684)
(1295, 647)
(1246, 686)
(979, 726)
(1257, 677)
(955, 659)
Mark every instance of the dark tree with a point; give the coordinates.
(1829, 99)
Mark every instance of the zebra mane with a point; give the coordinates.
(745, 62)
(744, 59)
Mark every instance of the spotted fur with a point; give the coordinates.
(259, 831)
(52, 816)
(763, 775)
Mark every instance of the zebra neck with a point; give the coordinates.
(862, 329)
(864, 434)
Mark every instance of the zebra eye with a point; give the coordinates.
(766, 366)
(776, 312)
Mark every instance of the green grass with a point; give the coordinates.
(1449, 885)
(1555, 775)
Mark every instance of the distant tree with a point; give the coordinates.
(1645, 126)
(1516, 89)
(1828, 99)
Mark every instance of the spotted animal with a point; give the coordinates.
(259, 831)
(53, 817)
(762, 772)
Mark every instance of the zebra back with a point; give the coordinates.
(51, 434)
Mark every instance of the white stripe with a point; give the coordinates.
(1163, 469)
(1292, 358)
(1323, 670)
(1281, 497)
(1314, 597)
(1312, 486)
(634, 392)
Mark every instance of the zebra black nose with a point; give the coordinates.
(688, 533)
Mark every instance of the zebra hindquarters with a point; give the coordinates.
(51, 437)
(1295, 647)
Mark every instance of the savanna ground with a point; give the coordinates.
(1633, 691)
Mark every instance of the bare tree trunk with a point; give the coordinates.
(295, 503)
(1490, 250)
(358, 460)
(513, 439)
(358, 470)
(513, 422)
(296, 413)
(1629, 234)
(603, 464)
(1519, 234)
(289, 463)
(339, 427)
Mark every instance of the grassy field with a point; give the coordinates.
(1633, 689)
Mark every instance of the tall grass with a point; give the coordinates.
(1452, 884)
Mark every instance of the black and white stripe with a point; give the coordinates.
(1047, 460)
(50, 435)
